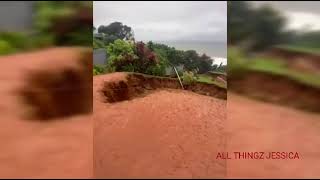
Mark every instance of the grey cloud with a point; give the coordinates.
(297, 6)
(301, 15)
(173, 20)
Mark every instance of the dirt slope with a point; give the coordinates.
(40, 148)
(256, 126)
(164, 134)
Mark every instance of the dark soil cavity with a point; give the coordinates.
(61, 93)
(137, 85)
(277, 89)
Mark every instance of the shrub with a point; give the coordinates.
(148, 62)
(121, 56)
(98, 70)
(5, 48)
(65, 22)
(11, 42)
(188, 78)
(126, 56)
(237, 64)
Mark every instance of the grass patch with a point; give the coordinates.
(278, 68)
(203, 78)
(301, 49)
(239, 64)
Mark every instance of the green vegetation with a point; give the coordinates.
(188, 78)
(299, 48)
(240, 64)
(219, 68)
(56, 23)
(124, 54)
(6, 48)
(209, 80)
(309, 40)
(97, 44)
(273, 66)
(257, 29)
(11, 42)
(64, 22)
(133, 57)
(97, 70)
(121, 56)
(114, 31)
(237, 63)
(205, 78)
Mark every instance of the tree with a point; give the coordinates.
(222, 68)
(134, 57)
(214, 67)
(255, 29)
(309, 39)
(97, 43)
(268, 27)
(121, 56)
(239, 17)
(116, 30)
(204, 63)
(5, 48)
(148, 61)
(173, 56)
(190, 59)
(64, 22)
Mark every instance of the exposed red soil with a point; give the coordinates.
(136, 84)
(277, 89)
(258, 126)
(168, 133)
(31, 146)
(298, 60)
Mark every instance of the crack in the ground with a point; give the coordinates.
(139, 85)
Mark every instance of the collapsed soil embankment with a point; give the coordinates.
(39, 148)
(302, 61)
(135, 85)
(277, 89)
(60, 92)
(170, 133)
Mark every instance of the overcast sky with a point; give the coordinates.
(167, 21)
(300, 14)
